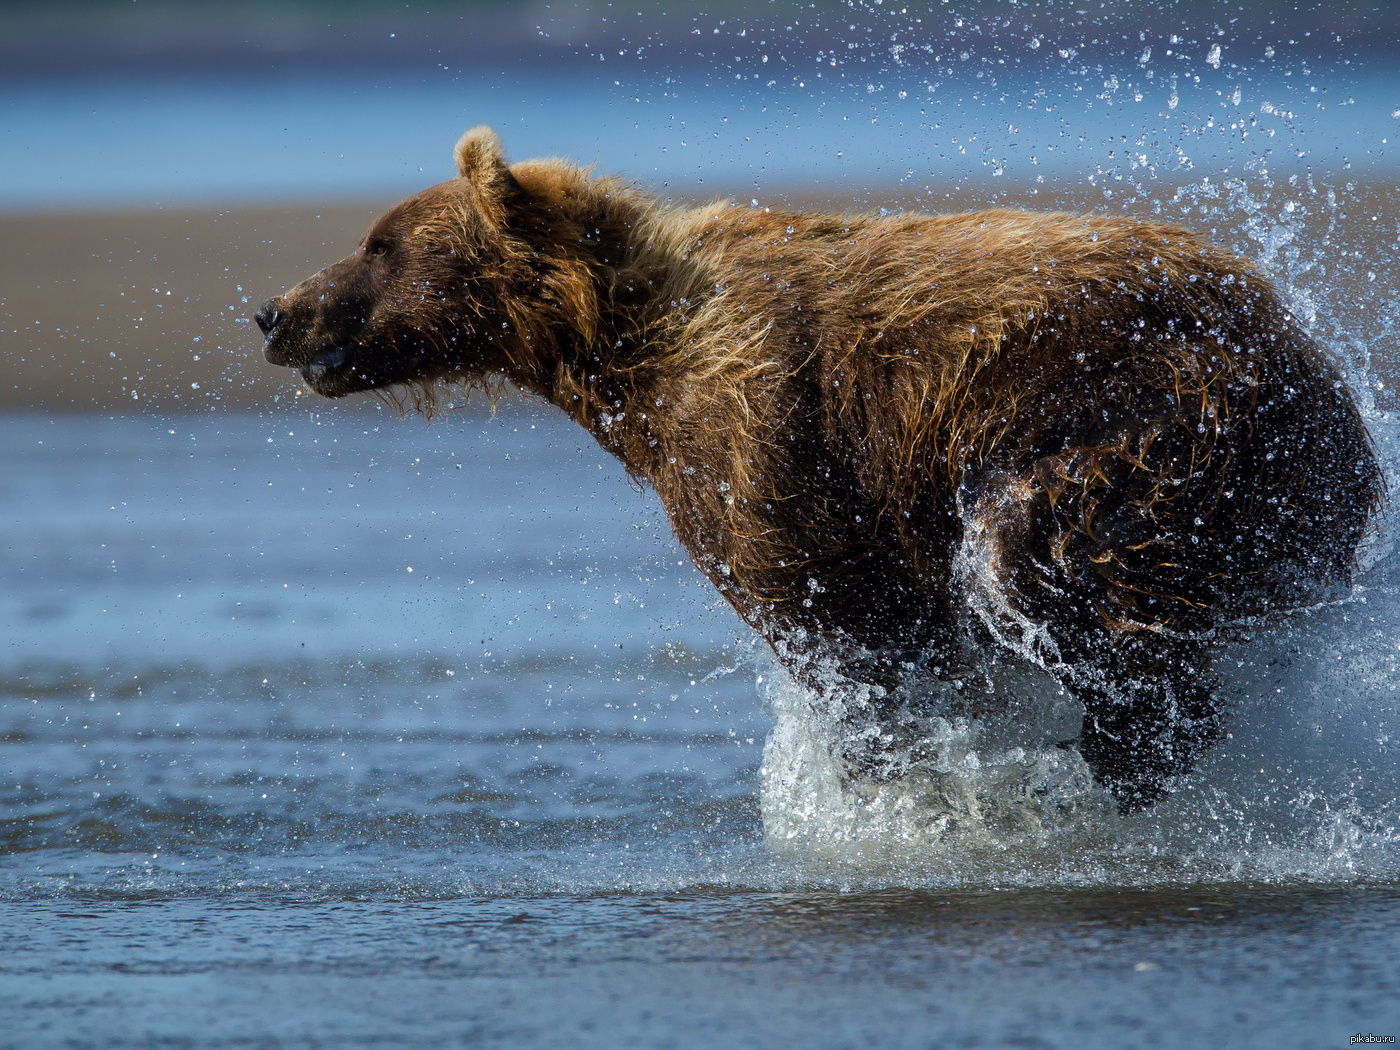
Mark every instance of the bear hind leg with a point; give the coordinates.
(1149, 698)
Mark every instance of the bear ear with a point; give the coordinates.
(482, 162)
(479, 155)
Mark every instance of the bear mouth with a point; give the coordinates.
(326, 365)
(349, 367)
(331, 373)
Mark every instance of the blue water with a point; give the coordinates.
(289, 627)
(261, 784)
(1233, 967)
(917, 126)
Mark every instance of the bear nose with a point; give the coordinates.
(268, 316)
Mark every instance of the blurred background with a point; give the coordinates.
(169, 165)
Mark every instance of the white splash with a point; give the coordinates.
(1305, 787)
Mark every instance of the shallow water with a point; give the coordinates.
(264, 785)
(1229, 966)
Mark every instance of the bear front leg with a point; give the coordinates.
(886, 700)
(1148, 718)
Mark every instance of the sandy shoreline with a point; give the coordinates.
(148, 311)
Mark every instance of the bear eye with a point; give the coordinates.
(376, 249)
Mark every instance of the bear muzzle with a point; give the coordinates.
(320, 368)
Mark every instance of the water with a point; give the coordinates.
(219, 627)
(162, 141)
(264, 785)
(1233, 966)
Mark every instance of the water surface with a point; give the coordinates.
(340, 729)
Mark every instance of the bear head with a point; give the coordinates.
(449, 284)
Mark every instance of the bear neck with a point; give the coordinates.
(607, 349)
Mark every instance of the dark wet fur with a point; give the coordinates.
(1103, 440)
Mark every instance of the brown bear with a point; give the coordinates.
(891, 441)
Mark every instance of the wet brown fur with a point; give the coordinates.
(1104, 438)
